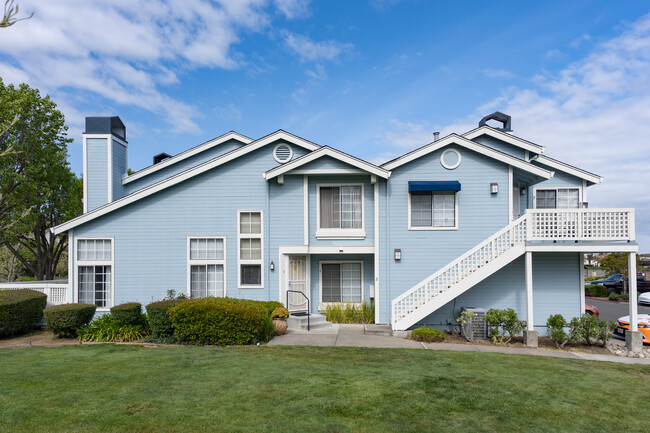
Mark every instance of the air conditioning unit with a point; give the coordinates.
(477, 323)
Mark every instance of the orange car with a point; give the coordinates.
(643, 323)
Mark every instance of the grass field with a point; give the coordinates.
(110, 388)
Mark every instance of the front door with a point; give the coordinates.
(516, 211)
(298, 281)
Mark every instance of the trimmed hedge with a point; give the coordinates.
(20, 310)
(268, 305)
(428, 335)
(158, 317)
(127, 314)
(221, 321)
(596, 290)
(64, 320)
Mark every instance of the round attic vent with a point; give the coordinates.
(450, 159)
(282, 153)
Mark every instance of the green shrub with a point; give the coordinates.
(614, 297)
(20, 310)
(269, 306)
(428, 335)
(159, 323)
(596, 290)
(501, 322)
(64, 320)
(221, 321)
(624, 297)
(556, 325)
(106, 329)
(127, 314)
(280, 313)
(350, 313)
(586, 328)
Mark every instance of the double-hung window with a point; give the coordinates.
(250, 248)
(432, 209)
(206, 267)
(341, 282)
(560, 198)
(340, 211)
(94, 271)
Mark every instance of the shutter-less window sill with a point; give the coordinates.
(340, 234)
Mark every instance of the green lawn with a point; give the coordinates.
(108, 388)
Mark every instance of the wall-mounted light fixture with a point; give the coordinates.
(398, 254)
(494, 188)
(585, 204)
(272, 265)
(522, 191)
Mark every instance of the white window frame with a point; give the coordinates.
(456, 216)
(323, 305)
(199, 262)
(351, 233)
(259, 261)
(111, 263)
(557, 188)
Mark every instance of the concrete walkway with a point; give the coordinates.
(354, 336)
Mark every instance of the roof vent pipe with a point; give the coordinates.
(436, 136)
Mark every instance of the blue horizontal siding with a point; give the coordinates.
(96, 173)
(501, 146)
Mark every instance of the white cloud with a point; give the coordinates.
(293, 8)
(127, 50)
(310, 50)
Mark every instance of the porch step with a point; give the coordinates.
(317, 321)
(385, 330)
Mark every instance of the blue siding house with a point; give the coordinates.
(482, 219)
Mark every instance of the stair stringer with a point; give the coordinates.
(459, 288)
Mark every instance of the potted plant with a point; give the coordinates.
(280, 315)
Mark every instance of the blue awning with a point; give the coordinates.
(439, 185)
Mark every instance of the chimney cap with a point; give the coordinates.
(106, 125)
(504, 119)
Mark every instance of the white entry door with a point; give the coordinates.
(516, 211)
(298, 280)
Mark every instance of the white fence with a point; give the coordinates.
(580, 224)
(57, 291)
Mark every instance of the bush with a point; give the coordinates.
(269, 306)
(587, 328)
(428, 335)
(127, 314)
(64, 320)
(596, 290)
(159, 323)
(20, 310)
(624, 297)
(280, 313)
(614, 297)
(351, 313)
(501, 322)
(556, 325)
(106, 329)
(221, 321)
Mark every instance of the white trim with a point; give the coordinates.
(290, 153)
(84, 177)
(232, 135)
(332, 153)
(585, 247)
(527, 155)
(327, 249)
(284, 283)
(109, 154)
(180, 177)
(329, 171)
(110, 263)
(71, 262)
(340, 233)
(633, 307)
(508, 138)
(198, 262)
(450, 166)
(450, 228)
(322, 305)
(476, 147)
(582, 283)
(305, 210)
(556, 188)
(511, 184)
(376, 252)
(584, 192)
(259, 261)
(530, 316)
(566, 168)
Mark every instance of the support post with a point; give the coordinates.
(530, 335)
(633, 338)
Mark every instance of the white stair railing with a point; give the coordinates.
(465, 265)
(581, 224)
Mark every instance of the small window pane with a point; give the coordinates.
(251, 274)
(250, 249)
(250, 223)
(94, 249)
(331, 282)
(444, 209)
(206, 249)
(421, 209)
(206, 280)
(95, 285)
(568, 198)
(545, 199)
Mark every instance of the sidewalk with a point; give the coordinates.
(353, 336)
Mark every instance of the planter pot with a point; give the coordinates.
(280, 326)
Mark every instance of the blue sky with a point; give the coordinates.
(373, 78)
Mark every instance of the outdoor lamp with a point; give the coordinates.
(494, 188)
(398, 254)
(272, 266)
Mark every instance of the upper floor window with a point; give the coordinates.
(206, 267)
(432, 210)
(250, 248)
(557, 198)
(340, 212)
(94, 271)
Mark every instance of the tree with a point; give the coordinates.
(9, 17)
(37, 188)
(616, 263)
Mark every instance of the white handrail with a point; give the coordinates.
(581, 224)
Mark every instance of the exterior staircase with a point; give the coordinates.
(460, 275)
(316, 322)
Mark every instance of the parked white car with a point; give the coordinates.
(644, 299)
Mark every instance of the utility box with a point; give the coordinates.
(477, 323)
